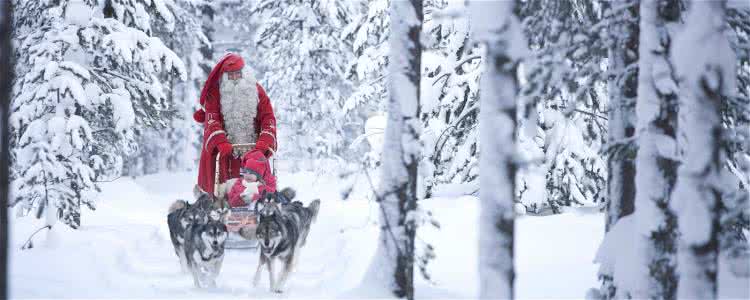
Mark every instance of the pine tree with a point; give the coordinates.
(451, 100)
(497, 29)
(86, 85)
(566, 83)
(174, 145)
(304, 62)
(369, 33)
(708, 76)
(393, 266)
(656, 162)
(234, 25)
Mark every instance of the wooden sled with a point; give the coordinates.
(241, 216)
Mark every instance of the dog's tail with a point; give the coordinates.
(314, 207)
(179, 204)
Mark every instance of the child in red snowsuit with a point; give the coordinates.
(256, 170)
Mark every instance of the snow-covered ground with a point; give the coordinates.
(123, 250)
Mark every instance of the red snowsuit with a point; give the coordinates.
(255, 163)
(214, 136)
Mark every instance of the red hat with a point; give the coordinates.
(256, 163)
(229, 63)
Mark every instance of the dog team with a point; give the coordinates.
(198, 232)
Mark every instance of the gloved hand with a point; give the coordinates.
(225, 149)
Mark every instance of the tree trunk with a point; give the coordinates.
(393, 266)
(656, 108)
(708, 71)
(6, 77)
(623, 91)
(498, 30)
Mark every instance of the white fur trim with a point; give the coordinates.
(213, 134)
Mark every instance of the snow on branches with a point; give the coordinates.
(84, 86)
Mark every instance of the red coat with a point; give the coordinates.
(213, 126)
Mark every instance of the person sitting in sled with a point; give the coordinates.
(256, 180)
(235, 110)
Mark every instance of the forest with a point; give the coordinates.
(459, 149)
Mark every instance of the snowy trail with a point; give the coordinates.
(123, 249)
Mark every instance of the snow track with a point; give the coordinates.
(123, 250)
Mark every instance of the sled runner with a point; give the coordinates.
(240, 216)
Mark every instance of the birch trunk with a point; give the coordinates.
(393, 266)
(708, 73)
(498, 30)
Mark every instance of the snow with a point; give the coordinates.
(122, 250)
(616, 255)
(707, 71)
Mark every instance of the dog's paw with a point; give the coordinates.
(277, 290)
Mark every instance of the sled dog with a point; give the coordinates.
(282, 230)
(204, 251)
(183, 214)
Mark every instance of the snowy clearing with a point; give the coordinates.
(123, 250)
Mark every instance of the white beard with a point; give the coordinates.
(239, 107)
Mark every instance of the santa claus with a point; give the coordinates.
(235, 110)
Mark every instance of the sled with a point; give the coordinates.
(240, 216)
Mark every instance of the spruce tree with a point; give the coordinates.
(304, 61)
(85, 86)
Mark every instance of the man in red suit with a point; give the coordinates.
(236, 110)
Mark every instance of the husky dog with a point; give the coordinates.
(183, 214)
(282, 230)
(204, 251)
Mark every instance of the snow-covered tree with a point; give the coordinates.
(369, 34)
(5, 94)
(393, 266)
(622, 87)
(304, 61)
(735, 112)
(450, 99)
(708, 75)
(174, 146)
(565, 80)
(498, 30)
(235, 25)
(657, 158)
(87, 81)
